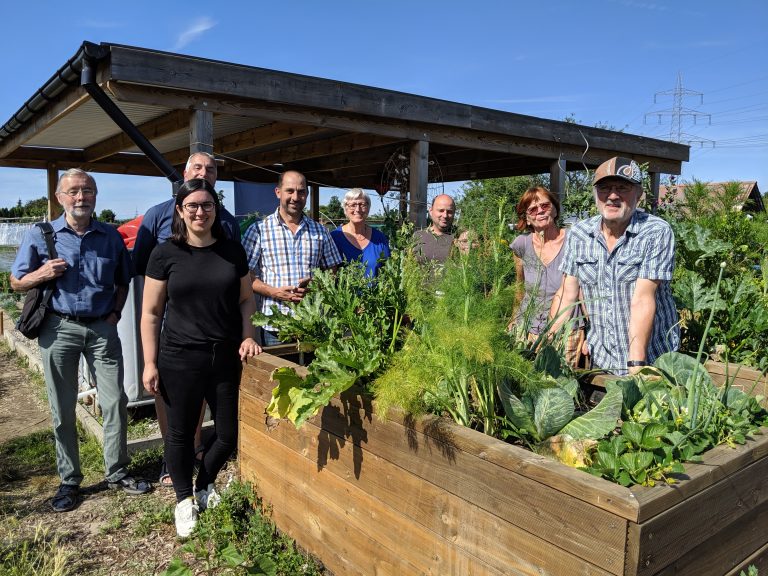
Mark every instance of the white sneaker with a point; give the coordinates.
(186, 517)
(207, 498)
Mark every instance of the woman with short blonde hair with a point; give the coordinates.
(356, 239)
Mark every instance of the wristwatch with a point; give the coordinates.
(636, 363)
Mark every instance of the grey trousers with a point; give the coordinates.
(61, 343)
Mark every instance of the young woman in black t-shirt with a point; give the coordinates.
(198, 289)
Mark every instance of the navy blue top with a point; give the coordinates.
(97, 262)
(156, 228)
(373, 255)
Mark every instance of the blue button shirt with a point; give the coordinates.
(156, 228)
(97, 262)
(608, 279)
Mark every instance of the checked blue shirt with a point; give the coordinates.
(277, 257)
(607, 281)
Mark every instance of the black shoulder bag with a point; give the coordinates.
(37, 298)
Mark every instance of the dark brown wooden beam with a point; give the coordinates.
(52, 176)
(318, 149)
(46, 154)
(649, 150)
(653, 193)
(228, 81)
(557, 178)
(418, 172)
(269, 135)
(314, 192)
(200, 132)
(229, 145)
(371, 156)
(169, 123)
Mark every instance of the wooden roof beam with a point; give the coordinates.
(266, 136)
(231, 82)
(603, 145)
(321, 148)
(169, 123)
(271, 134)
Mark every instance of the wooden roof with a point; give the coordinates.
(337, 133)
(749, 199)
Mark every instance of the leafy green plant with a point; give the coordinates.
(237, 537)
(716, 247)
(456, 350)
(672, 413)
(352, 323)
(541, 413)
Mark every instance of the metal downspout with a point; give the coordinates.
(88, 81)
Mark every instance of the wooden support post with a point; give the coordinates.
(200, 135)
(403, 206)
(557, 178)
(314, 201)
(419, 172)
(201, 132)
(653, 192)
(54, 208)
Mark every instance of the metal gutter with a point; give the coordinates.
(88, 81)
(81, 69)
(67, 76)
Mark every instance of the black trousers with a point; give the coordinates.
(189, 375)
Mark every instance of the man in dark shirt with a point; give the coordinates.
(433, 244)
(156, 225)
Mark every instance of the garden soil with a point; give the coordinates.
(109, 533)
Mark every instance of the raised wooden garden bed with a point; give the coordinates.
(397, 497)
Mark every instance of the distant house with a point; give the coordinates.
(748, 200)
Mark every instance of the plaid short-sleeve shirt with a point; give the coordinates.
(278, 257)
(607, 281)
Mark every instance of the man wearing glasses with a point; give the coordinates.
(91, 273)
(622, 260)
(156, 225)
(284, 248)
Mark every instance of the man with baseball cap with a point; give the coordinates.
(622, 261)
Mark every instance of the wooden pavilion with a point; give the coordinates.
(128, 110)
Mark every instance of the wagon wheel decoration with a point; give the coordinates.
(395, 177)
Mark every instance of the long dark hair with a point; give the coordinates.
(178, 227)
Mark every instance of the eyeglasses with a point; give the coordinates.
(535, 209)
(192, 207)
(620, 188)
(357, 206)
(85, 192)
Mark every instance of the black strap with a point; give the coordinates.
(47, 231)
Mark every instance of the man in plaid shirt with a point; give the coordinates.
(622, 261)
(284, 248)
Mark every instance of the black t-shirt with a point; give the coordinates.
(203, 287)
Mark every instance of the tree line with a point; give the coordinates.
(38, 208)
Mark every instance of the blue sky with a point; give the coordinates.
(601, 61)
